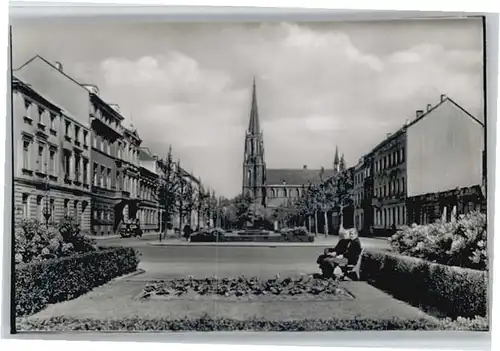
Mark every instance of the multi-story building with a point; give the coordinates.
(52, 138)
(107, 133)
(389, 182)
(129, 174)
(444, 163)
(362, 193)
(148, 191)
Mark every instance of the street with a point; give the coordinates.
(162, 262)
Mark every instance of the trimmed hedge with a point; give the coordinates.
(42, 283)
(452, 291)
(207, 323)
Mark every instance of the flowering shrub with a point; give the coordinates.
(457, 243)
(35, 242)
(297, 234)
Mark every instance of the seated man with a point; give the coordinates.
(346, 252)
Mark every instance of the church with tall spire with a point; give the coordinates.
(276, 187)
(254, 166)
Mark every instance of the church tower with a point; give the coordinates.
(336, 162)
(254, 167)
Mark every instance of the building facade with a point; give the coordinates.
(445, 163)
(52, 143)
(362, 194)
(149, 207)
(389, 183)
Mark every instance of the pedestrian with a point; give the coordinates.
(187, 231)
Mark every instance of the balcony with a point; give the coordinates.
(99, 121)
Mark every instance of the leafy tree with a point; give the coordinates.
(168, 187)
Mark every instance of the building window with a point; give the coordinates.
(75, 210)
(52, 121)
(40, 111)
(118, 181)
(94, 141)
(85, 138)
(40, 161)
(52, 209)
(285, 192)
(77, 168)
(26, 154)
(108, 175)
(85, 171)
(402, 155)
(77, 134)
(68, 129)
(52, 161)
(39, 212)
(26, 207)
(103, 182)
(67, 164)
(95, 173)
(66, 207)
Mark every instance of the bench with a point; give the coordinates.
(354, 269)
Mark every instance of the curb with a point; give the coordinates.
(137, 272)
(109, 237)
(239, 244)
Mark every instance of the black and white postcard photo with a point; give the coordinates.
(249, 176)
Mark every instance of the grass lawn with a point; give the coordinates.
(117, 301)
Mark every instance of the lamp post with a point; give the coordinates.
(47, 211)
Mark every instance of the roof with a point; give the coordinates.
(447, 99)
(296, 176)
(18, 83)
(253, 124)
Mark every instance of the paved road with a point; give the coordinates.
(161, 262)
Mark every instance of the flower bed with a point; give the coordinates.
(253, 288)
(38, 284)
(458, 243)
(450, 291)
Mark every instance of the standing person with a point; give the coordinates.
(187, 231)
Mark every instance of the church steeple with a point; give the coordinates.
(254, 167)
(254, 125)
(342, 163)
(336, 160)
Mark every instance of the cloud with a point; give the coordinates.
(318, 84)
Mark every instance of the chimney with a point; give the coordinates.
(443, 97)
(429, 106)
(420, 113)
(59, 66)
(92, 88)
(304, 167)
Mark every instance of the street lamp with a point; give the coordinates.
(47, 211)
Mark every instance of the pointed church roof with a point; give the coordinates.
(254, 125)
(336, 160)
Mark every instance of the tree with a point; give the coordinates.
(343, 195)
(167, 190)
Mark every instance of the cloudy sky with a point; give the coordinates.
(318, 84)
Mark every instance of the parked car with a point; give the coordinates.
(130, 230)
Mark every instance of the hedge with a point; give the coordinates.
(451, 291)
(42, 283)
(207, 323)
